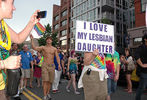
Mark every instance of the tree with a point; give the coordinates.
(106, 21)
(47, 33)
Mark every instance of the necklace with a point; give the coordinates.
(5, 43)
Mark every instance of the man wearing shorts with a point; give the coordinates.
(26, 60)
(48, 67)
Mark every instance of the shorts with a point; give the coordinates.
(94, 89)
(48, 72)
(111, 86)
(25, 73)
(72, 71)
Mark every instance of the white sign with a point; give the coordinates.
(91, 36)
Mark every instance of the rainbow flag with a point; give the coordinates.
(39, 29)
(99, 61)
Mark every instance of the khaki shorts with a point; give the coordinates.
(48, 72)
(94, 89)
(25, 73)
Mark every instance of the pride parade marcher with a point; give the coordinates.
(48, 67)
(113, 68)
(38, 63)
(94, 76)
(72, 70)
(58, 72)
(6, 36)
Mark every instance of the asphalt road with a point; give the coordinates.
(36, 93)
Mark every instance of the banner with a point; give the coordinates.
(91, 36)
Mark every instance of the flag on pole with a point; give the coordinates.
(39, 29)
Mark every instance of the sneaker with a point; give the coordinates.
(21, 90)
(76, 92)
(17, 95)
(44, 98)
(49, 97)
(54, 91)
(67, 89)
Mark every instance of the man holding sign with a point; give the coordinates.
(97, 39)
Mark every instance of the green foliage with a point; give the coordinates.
(20, 46)
(47, 33)
(106, 21)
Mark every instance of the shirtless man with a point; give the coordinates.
(48, 67)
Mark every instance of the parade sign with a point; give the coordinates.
(91, 36)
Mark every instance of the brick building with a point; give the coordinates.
(61, 23)
(136, 33)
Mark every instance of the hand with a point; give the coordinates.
(31, 36)
(12, 62)
(95, 52)
(116, 78)
(144, 65)
(34, 19)
(59, 68)
(63, 71)
(32, 69)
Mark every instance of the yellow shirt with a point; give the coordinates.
(2, 82)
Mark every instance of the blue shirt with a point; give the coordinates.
(26, 58)
(55, 61)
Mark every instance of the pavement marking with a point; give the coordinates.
(36, 97)
(28, 96)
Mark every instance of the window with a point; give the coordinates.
(63, 23)
(63, 42)
(64, 13)
(56, 26)
(56, 18)
(64, 32)
(143, 5)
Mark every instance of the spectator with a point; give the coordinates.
(141, 59)
(25, 68)
(8, 35)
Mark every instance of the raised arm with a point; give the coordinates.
(33, 46)
(21, 36)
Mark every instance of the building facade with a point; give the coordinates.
(136, 33)
(61, 23)
(116, 11)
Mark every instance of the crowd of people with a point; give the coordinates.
(94, 69)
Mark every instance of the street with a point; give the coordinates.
(37, 93)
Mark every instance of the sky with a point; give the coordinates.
(24, 11)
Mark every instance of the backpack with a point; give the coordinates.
(131, 65)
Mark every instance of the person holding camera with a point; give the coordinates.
(94, 76)
(7, 35)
